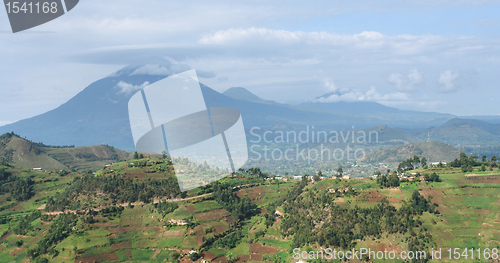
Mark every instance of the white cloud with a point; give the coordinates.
(406, 83)
(151, 69)
(164, 69)
(447, 79)
(371, 95)
(405, 44)
(330, 85)
(127, 88)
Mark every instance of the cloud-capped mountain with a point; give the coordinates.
(239, 93)
(96, 115)
(99, 113)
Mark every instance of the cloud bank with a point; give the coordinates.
(371, 95)
(447, 80)
(406, 83)
(127, 88)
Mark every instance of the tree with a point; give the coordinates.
(175, 255)
(427, 178)
(483, 158)
(473, 160)
(340, 171)
(136, 155)
(316, 178)
(230, 257)
(435, 177)
(423, 161)
(416, 160)
(483, 167)
(463, 159)
(141, 156)
(194, 256)
(493, 158)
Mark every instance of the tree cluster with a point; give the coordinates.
(21, 189)
(468, 162)
(58, 231)
(390, 180)
(314, 219)
(412, 163)
(118, 189)
(238, 207)
(165, 207)
(24, 226)
(434, 177)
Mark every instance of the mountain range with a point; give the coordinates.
(99, 115)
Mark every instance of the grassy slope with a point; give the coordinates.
(104, 154)
(24, 155)
(52, 159)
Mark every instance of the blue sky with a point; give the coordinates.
(470, 20)
(423, 55)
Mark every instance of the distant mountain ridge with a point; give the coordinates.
(239, 93)
(483, 125)
(464, 131)
(352, 107)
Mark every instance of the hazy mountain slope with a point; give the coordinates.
(266, 115)
(353, 107)
(366, 107)
(483, 125)
(239, 93)
(433, 151)
(98, 114)
(458, 132)
(388, 135)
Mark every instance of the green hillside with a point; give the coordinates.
(433, 151)
(26, 154)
